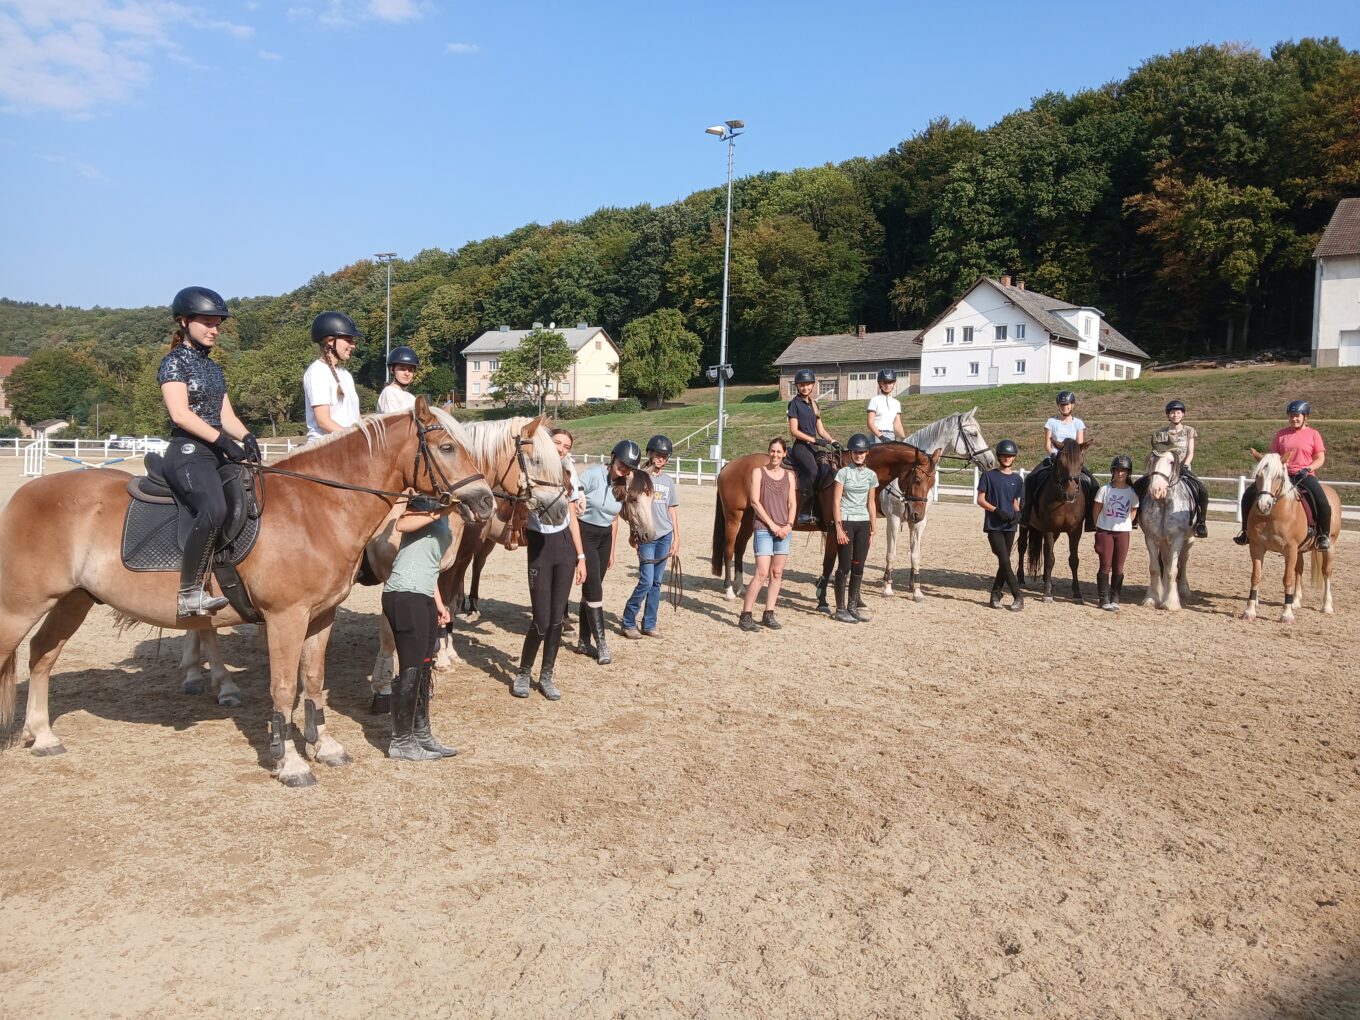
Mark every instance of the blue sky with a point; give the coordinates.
(249, 144)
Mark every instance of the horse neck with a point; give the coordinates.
(374, 455)
(931, 437)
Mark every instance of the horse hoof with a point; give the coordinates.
(192, 687)
(335, 761)
(298, 780)
(229, 700)
(1048, 600)
(49, 751)
(917, 596)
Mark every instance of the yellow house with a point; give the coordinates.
(594, 371)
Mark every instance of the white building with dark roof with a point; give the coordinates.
(998, 333)
(1336, 289)
(594, 372)
(847, 364)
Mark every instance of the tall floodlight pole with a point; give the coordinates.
(386, 257)
(728, 132)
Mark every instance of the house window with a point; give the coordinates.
(1019, 331)
(1001, 332)
(968, 334)
(476, 366)
(826, 387)
(972, 368)
(566, 387)
(1087, 326)
(1119, 371)
(1069, 368)
(494, 364)
(949, 334)
(938, 371)
(1020, 367)
(476, 387)
(599, 345)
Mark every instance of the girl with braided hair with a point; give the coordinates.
(330, 395)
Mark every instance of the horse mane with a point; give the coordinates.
(928, 437)
(1070, 455)
(1270, 466)
(369, 425)
(487, 441)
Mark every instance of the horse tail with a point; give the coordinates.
(719, 536)
(1033, 545)
(8, 684)
(1315, 575)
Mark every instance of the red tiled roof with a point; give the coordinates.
(8, 363)
(1342, 236)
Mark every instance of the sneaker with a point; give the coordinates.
(632, 633)
(768, 620)
(748, 624)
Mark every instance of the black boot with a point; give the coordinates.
(856, 604)
(1201, 511)
(822, 583)
(193, 572)
(595, 614)
(747, 623)
(524, 676)
(423, 736)
(545, 675)
(584, 642)
(842, 614)
(1116, 589)
(805, 517)
(405, 696)
(1103, 591)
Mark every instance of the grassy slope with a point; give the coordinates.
(1232, 408)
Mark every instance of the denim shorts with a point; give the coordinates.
(768, 545)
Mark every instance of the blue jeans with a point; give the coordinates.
(650, 576)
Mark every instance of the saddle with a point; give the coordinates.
(156, 526)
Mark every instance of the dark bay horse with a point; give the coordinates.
(1059, 508)
(311, 537)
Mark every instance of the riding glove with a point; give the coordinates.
(420, 504)
(252, 446)
(230, 447)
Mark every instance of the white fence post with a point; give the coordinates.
(975, 484)
(1241, 491)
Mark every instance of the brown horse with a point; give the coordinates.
(311, 536)
(1059, 508)
(1276, 522)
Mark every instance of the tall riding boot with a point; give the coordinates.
(545, 675)
(1116, 589)
(423, 736)
(856, 604)
(805, 517)
(596, 617)
(1201, 511)
(405, 695)
(584, 642)
(193, 571)
(1103, 590)
(524, 676)
(842, 613)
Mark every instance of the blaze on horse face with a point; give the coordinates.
(636, 498)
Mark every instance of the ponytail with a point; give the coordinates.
(329, 359)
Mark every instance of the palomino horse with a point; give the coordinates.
(1165, 515)
(1277, 522)
(1059, 507)
(955, 435)
(323, 503)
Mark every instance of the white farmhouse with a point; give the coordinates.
(1336, 290)
(594, 370)
(998, 332)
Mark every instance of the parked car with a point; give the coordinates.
(152, 445)
(122, 442)
(596, 400)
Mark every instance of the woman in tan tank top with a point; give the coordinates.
(774, 502)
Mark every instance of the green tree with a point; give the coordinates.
(659, 356)
(527, 373)
(266, 384)
(53, 383)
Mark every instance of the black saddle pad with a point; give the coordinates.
(154, 529)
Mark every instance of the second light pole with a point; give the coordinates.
(386, 257)
(728, 131)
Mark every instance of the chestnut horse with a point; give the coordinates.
(311, 536)
(1276, 522)
(1059, 508)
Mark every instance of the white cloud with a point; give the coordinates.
(461, 48)
(86, 170)
(393, 10)
(73, 56)
(268, 55)
(345, 13)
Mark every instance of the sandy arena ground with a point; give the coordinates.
(947, 812)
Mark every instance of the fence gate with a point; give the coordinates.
(35, 456)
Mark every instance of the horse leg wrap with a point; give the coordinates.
(278, 731)
(1254, 595)
(313, 717)
(1289, 598)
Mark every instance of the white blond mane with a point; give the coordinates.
(368, 425)
(1270, 468)
(488, 440)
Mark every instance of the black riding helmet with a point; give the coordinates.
(1007, 448)
(1067, 397)
(886, 375)
(193, 301)
(859, 443)
(334, 324)
(1300, 407)
(1122, 461)
(403, 356)
(804, 375)
(659, 444)
(626, 452)
(1176, 405)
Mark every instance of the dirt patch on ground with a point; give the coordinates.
(949, 812)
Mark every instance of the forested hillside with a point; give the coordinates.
(1183, 200)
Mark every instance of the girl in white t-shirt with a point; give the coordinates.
(328, 390)
(402, 362)
(1116, 508)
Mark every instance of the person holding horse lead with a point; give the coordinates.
(415, 611)
(1181, 437)
(884, 411)
(1063, 426)
(204, 434)
(402, 362)
(1000, 491)
(653, 556)
(1304, 453)
(1116, 508)
(805, 424)
(332, 401)
(604, 487)
(774, 505)
(856, 516)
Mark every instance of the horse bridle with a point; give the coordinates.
(916, 468)
(524, 488)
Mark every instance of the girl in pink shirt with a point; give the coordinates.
(1301, 448)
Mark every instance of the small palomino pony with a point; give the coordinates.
(1059, 508)
(1277, 522)
(1165, 515)
(320, 510)
(906, 499)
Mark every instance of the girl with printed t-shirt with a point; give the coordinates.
(1116, 509)
(856, 514)
(332, 401)
(999, 493)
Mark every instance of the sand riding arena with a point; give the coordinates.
(949, 811)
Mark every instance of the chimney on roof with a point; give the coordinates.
(861, 330)
(583, 325)
(504, 329)
(1019, 284)
(1005, 279)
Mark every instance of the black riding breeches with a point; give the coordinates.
(191, 472)
(415, 625)
(552, 568)
(1002, 542)
(596, 543)
(851, 556)
(805, 465)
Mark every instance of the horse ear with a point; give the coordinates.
(534, 426)
(422, 407)
(935, 458)
(972, 413)
(1255, 453)
(1088, 442)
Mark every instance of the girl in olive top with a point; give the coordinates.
(856, 514)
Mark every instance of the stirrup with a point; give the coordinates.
(197, 602)
(1241, 539)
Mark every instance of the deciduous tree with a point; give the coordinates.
(659, 357)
